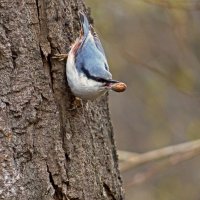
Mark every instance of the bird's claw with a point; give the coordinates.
(60, 57)
(77, 103)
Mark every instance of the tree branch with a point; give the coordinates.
(131, 160)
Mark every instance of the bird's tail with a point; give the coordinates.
(84, 23)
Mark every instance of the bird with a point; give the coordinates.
(87, 69)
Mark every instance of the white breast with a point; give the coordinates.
(80, 85)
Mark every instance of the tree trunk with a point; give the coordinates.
(46, 150)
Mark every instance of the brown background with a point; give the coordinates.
(154, 46)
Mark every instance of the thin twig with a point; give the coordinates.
(132, 159)
(144, 176)
(190, 5)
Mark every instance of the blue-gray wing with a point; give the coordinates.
(97, 40)
(91, 61)
(86, 28)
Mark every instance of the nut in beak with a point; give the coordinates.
(119, 87)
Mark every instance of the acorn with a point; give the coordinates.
(119, 87)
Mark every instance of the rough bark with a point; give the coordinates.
(46, 150)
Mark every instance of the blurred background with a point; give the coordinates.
(154, 47)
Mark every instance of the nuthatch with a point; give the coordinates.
(87, 69)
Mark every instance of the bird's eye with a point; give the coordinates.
(106, 67)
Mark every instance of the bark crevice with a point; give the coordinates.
(108, 192)
(50, 71)
(58, 195)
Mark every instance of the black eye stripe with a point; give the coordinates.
(106, 67)
(87, 73)
(98, 79)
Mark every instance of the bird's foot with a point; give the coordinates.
(60, 57)
(77, 103)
